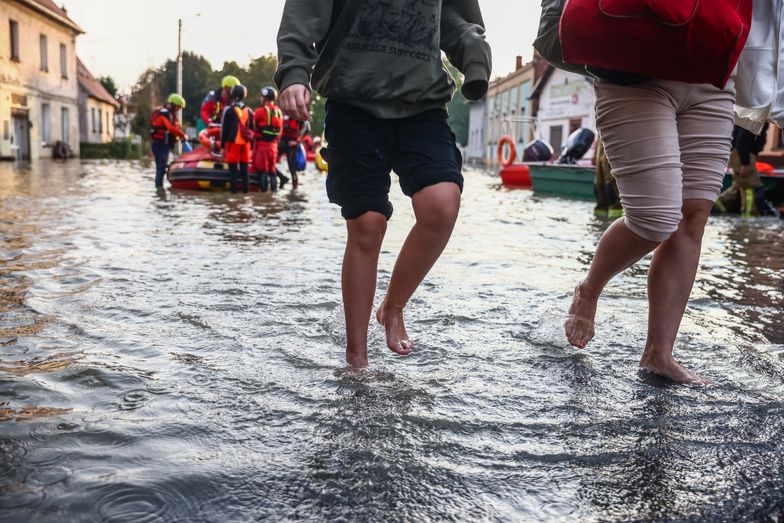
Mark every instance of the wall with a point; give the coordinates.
(508, 112)
(23, 86)
(102, 131)
(567, 100)
(475, 152)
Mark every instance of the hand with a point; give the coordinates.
(295, 100)
(746, 171)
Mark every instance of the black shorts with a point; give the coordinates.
(362, 151)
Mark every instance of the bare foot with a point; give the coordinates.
(670, 368)
(579, 324)
(357, 359)
(391, 317)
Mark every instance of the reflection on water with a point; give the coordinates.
(177, 357)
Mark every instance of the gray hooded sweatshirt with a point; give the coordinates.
(383, 56)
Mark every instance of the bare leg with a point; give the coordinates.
(360, 264)
(436, 209)
(670, 280)
(618, 250)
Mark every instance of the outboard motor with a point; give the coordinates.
(576, 146)
(537, 151)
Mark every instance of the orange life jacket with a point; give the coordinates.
(244, 133)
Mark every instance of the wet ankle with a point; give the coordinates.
(587, 291)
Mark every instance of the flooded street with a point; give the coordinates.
(179, 358)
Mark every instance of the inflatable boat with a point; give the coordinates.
(200, 170)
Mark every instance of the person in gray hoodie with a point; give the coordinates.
(379, 65)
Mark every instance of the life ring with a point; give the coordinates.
(321, 163)
(209, 136)
(504, 160)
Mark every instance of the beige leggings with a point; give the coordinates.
(666, 142)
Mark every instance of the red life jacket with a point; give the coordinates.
(160, 133)
(272, 126)
(291, 128)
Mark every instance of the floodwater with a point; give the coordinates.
(179, 358)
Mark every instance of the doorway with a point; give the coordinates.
(21, 137)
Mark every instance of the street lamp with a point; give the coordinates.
(179, 68)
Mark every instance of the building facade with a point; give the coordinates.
(39, 93)
(508, 110)
(97, 108)
(564, 103)
(475, 150)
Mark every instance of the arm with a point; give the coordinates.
(207, 111)
(173, 129)
(227, 126)
(463, 41)
(305, 23)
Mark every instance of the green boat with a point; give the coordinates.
(576, 182)
(568, 181)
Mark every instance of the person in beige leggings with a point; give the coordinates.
(668, 144)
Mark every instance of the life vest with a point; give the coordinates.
(274, 123)
(243, 118)
(215, 98)
(291, 128)
(160, 133)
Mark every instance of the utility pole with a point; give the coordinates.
(178, 148)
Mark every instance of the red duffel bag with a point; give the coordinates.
(695, 41)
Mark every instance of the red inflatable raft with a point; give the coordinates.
(199, 170)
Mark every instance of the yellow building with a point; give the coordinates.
(96, 108)
(39, 92)
(508, 109)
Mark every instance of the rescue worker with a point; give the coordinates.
(165, 131)
(216, 101)
(268, 123)
(236, 137)
(608, 201)
(746, 195)
(293, 131)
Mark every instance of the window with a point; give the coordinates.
(44, 54)
(92, 119)
(65, 125)
(63, 61)
(100, 121)
(575, 124)
(108, 129)
(46, 123)
(14, 31)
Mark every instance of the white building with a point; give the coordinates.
(38, 81)
(97, 108)
(566, 102)
(475, 150)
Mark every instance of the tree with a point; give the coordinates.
(144, 96)
(108, 83)
(458, 108)
(196, 74)
(259, 74)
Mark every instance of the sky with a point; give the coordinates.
(125, 38)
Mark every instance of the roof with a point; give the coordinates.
(537, 90)
(52, 11)
(91, 86)
(524, 70)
